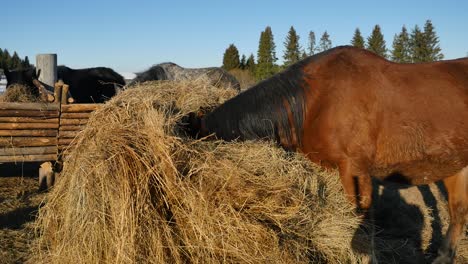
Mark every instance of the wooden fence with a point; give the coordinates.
(28, 132)
(36, 132)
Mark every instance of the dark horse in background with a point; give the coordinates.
(369, 117)
(23, 77)
(171, 71)
(92, 85)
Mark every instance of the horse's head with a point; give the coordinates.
(24, 77)
(193, 124)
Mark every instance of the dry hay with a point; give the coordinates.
(18, 93)
(133, 191)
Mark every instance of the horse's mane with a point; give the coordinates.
(260, 112)
(263, 111)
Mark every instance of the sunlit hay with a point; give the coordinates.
(135, 190)
(19, 93)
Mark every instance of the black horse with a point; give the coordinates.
(24, 77)
(92, 85)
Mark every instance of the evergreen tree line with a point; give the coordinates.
(8, 61)
(417, 46)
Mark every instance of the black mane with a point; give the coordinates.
(261, 113)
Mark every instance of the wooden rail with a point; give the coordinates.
(28, 131)
(41, 131)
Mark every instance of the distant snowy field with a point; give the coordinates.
(128, 76)
(2, 83)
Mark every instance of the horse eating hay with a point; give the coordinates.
(171, 71)
(349, 108)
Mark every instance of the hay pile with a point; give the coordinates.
(133, 191)
(19, 93)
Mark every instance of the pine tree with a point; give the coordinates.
(401, 51)
(15, 62)
(242, 62)
(358, 40)
(304, 54)
(6, 59)
(312, 47)
(325, 42)
(231, 58)
(418, 45)
(292, 51)
(266, 55)
(26, 63)
(433, 52)
(250, 64)
(376, 42)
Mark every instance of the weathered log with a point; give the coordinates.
(67, 122)
(68, 134)
(46, 95)
(28, 151)
(65, 88)
(65, 141)
(27, 141)
(28, 113)
(71, 128)
(28, 158)
(28, 106)
(37, 119)
(74, 108)
(29, 133)
(58, 91)
(67, 148)
(75, 115)
(17, 126)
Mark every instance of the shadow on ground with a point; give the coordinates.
(410, 223)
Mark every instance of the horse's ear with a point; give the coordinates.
(7, 74)
(37, 73)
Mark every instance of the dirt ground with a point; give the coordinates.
(19, 201)
(411, 222)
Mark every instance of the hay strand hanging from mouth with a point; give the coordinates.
(136, 191)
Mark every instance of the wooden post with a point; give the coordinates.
(65, 94)
(46, 176)
(47, 65)
(58, 91)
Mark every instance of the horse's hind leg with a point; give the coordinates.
(457, 189)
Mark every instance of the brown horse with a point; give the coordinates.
(349, 108)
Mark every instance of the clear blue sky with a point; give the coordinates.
(130, 36)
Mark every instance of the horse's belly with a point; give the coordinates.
(417, 172)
